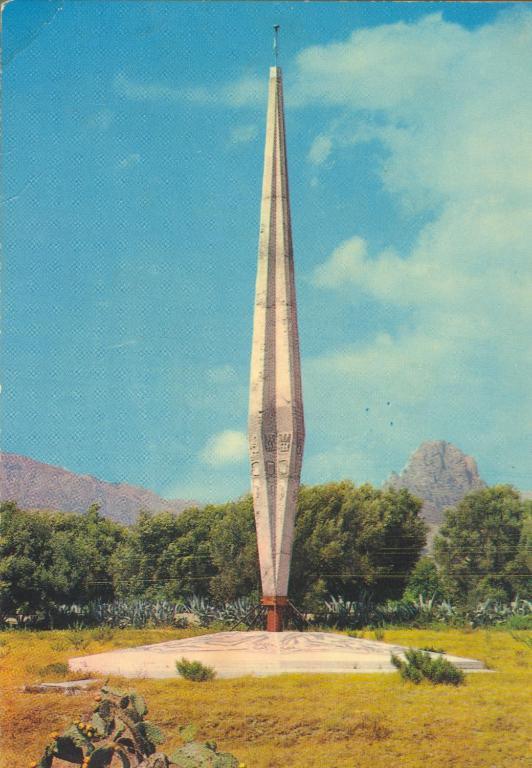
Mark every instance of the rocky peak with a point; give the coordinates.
(440, 474)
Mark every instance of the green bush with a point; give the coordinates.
(78, 639)
(195, 670)
(424, 579)
(420, 665)
(518, 622)
(58, 668)
(103, 634)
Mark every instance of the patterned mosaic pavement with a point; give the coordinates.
(234, 654)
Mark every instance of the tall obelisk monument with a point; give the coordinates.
(276, 426)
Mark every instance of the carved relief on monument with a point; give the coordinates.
(253, 445)
(270, 441)
(284, 439)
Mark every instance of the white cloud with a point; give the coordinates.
(243, 134)
(227, 447)
(320, 149)
(453, 109)
(248, 90)
(442, 94)
(341, 268)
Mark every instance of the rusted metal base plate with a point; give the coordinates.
(234, 654)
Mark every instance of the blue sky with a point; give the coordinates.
(133, 139)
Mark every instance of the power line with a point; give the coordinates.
(382, 550)
(164, 580)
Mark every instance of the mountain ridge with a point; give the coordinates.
(437, 472)
(34, 484)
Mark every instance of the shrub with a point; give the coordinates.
(195, 670)
(420, 665)
(57, 668)
(78, 639)
(518, 622)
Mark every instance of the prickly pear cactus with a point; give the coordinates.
(197, 755)
(117, 735)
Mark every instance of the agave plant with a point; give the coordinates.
(396, 612)
(446, 611)
(494, 612)
(351, 614)
(235, 611)
(521, 607)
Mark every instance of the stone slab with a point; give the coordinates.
(66, 686)
(234, 654)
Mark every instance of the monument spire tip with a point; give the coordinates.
(276, 28)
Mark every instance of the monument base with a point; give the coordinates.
(259, 653)
(276, 610)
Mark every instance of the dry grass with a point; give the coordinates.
(299, 721)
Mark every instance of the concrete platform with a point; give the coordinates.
(234, 654)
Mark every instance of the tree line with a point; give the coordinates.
(348, 539)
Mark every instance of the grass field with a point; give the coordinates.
(296, 721)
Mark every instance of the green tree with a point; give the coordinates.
(27, 583)
(166, 555)
(97, 539)
(424, 580)
(349, 538)
(346, 538)
(189, 557)
(234, 553)
(523, 561)
(479, 547)
(51, 558)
